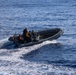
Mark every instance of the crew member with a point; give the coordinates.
(26, 35)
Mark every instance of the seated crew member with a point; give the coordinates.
(20, 39)
(15, 40)
(35, 36)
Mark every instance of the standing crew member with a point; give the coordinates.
(26, 35)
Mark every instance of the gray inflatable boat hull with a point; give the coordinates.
(48, 34)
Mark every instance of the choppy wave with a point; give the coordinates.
(48, 58)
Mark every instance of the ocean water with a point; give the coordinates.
(57, 57)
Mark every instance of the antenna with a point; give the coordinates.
(15, 33)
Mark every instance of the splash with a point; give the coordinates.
(4, 43)
(3, 40)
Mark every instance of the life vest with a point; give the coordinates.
(28, 34)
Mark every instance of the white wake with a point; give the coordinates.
(12, 64)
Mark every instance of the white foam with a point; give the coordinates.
(11, 64)
(24, 50)
(3, 40)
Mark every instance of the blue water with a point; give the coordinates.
(62, 55)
